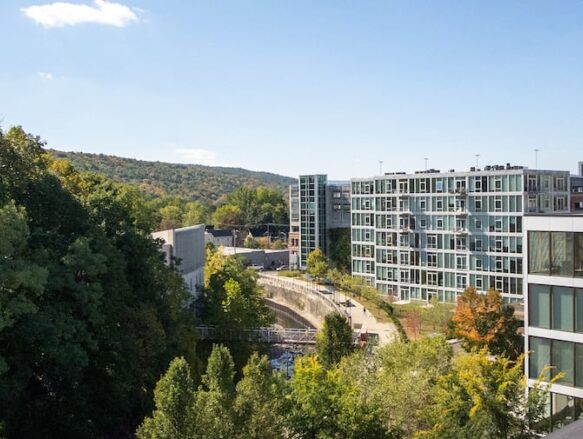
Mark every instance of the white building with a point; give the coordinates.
(186, 248)
(432, 233)
(554, 311)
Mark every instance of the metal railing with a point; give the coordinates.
(261, 335)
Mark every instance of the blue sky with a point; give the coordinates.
(299, 86)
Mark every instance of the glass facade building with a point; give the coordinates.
(554, 312)
(427, 234)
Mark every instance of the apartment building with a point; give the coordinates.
(432, 233)
(554, 312)
(316, 207)
(576, 189)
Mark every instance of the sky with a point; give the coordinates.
(299, 87)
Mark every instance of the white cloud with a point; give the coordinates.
(45, 76)
(199, 157)
(61, 14)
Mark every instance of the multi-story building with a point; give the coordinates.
(186, 248)
(554, 312)
(316, 207)
(576, 189)
(434, 233)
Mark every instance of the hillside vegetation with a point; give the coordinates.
(196, 182)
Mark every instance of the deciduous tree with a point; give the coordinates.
(334, 341)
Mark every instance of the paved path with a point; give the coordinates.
(361, 320)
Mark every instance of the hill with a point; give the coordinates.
(197, 182)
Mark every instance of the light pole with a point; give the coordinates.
(425, 158)
(380, 167)
(536, 150)
(477, 161)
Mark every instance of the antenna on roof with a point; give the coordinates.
(536, 150)
(477, 161)
(380, 167)
(425, 158)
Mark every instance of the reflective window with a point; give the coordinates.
(563, 358)
(563, 309)
(579, 309)
(539, 357)
(539, 306)
(562, 254)
(538, 252)
(578, 254)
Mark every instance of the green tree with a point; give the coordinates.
(174, 399)
(317, 264)
(484, 321)
(260, 404)
(231, 297)
(91, 316)
(486, 398)
(195, 213)
(227, 216)
(334, 340)
(214, 399)
(339, 249)
(171, 217)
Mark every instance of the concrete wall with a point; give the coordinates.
(311, 306)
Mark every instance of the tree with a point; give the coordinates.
(483, 321)
(214, 399)
(334, 341)
(231, 297)
(171, 217)
(437, 314)
(317, 264)
(227, 216)
(339, 251)
(90, 315)
(195, 213)
(174, 398)
(260, 404)
(485, 397)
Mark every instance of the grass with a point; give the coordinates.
(290, 273)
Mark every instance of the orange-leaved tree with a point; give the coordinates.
(484, 321)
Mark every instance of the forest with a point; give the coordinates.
(192, 182)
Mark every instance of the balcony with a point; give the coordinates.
(461, 192)
(461, 231)
(460, 211)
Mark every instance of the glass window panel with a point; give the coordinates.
(579, 365)
(539, 356)
(562, 254)
(578, 254)
(563, 309)
(539, 304)
(563, 410)
(563, 357)
(579, 309)
(538, 252)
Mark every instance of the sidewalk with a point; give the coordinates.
(361, 320)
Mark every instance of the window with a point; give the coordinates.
(478, 205)
(563, 309)
(579, 311)
(439, 223)
(422, 204)
(478, 224)
(439, 186)
(423, 223)
(497, 184)
(498, 204)
(432, 241)
(460, 262)
(540, 356)
(562, 357)
(538, 252)
(439, 205)
(578, 254)
(479, 283)
(478, 264)
(478, 244)
(562, 253)
(431, 260)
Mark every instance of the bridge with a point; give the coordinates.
(260, 335)
(272, 335)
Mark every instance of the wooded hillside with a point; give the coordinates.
(197, 182)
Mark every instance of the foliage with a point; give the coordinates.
(317, 264)
(334, 340)
(339, 248)
(231, 297)
(227, 216)
(483, 321)
(193, 182)
(215, 418)
(174, 398)
(484, 397)
(90, 314)
(260, 402)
